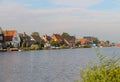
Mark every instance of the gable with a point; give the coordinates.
(1, 32)
(70, 39)
(9, 33)
(83, 40)
(36, 38)
(56, 37)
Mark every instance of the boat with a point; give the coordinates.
(13, 49)
(3, 50)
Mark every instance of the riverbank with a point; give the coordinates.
(45, 48)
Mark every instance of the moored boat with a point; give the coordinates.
(13, 49)
(3, 50)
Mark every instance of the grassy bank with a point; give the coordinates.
(108, 70)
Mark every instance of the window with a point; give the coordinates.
(1, 38)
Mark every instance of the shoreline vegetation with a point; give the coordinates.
(37, 47)
(106, 70)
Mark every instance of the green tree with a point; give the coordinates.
(37, 37)
(64, 35)
(96, 40)
(41, 45)
(35, 33)
(78, 43)
(23, 44)
(54, 43)
(34, 47)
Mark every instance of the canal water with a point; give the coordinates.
(48, 65)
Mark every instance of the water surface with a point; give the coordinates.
(47, 65)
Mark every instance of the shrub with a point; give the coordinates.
(45, 48)
(63, 47)
(34, 47)
(26, 49)
(108, 70)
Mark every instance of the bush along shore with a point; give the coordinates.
(108, 70)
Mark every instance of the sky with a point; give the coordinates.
(99, 18)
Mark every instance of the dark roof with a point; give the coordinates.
(1, 35)
(24, 36)
(1, 31)
(70, 39)
(57, 36)
(48, 38)
(36, 38)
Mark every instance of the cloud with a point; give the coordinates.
(81, 3)
(17, 11)
(74, 20)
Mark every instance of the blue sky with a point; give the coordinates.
(100, 18)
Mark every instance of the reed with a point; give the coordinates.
(107, 70)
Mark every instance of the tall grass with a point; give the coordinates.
(107, 70)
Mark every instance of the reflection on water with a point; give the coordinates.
(45, 65)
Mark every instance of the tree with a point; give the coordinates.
(54, 43)
(36, 37)
(107, 42)
(64, 35)
(34, 47)
(41, 45)
(35, 33)
(78, 43)
(23, 44)
(96, 40)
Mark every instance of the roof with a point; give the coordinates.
(118, 45)
(36, 38)
(9, 33)
(46, 38)
(70, 39)
(83, 40)
(24, 36)
(1, 32)
(57, 36)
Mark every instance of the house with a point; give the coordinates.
(91, 40)
(57, 37)
(70, 41)
(1, 37)
(118, 44)
(101, 43)
(16, 40)
(11, 38)
(47, 40)
(35, 39)
(83, 41)
(25, 40)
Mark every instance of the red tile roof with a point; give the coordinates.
(9, 33)
(57, 37)
(83, 40)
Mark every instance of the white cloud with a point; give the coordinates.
(18, 12)
(74, 20)
(81, 3)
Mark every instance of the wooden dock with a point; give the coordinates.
(3, 50)
(13, 49)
